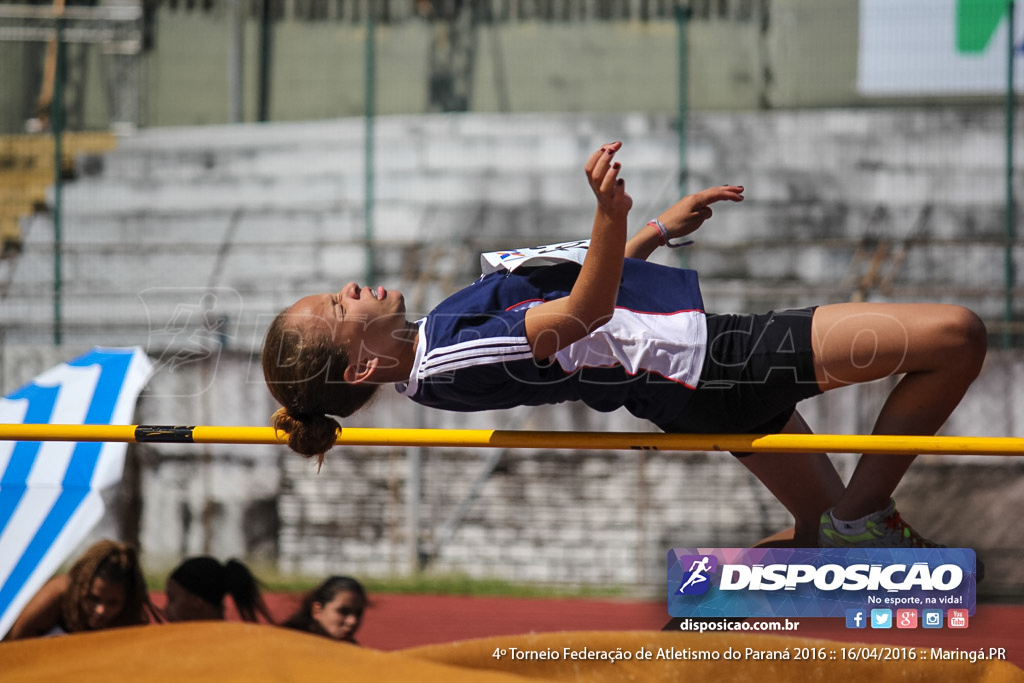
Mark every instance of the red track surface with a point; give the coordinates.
(396, 622)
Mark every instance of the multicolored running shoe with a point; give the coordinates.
(884, 529)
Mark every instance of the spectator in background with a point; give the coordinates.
(196, 590)
(105, 588)
(333, 609)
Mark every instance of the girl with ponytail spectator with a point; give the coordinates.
(197, 587)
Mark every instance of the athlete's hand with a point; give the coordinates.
(603, 175)
(690, 212)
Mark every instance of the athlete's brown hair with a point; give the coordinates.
(304, 371)
(116, 563)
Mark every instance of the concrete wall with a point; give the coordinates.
(783, 54)
(609, 518)
(14, 110)
(567, 517)
(803, 54)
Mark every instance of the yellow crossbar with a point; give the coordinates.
(497, 438)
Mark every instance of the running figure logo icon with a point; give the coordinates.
(696, 580)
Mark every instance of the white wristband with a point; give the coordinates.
(664, 236)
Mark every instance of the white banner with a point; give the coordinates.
(936, 47)
(50, 491)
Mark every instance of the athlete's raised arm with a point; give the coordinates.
(681, 219)
(554, 325)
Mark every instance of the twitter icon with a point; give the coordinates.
(881, 618)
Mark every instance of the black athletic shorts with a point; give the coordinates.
(756, 369)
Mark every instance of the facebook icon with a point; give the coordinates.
(856, 618)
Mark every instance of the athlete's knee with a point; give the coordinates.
(971, 331)
(966, 336)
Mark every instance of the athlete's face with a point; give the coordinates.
(183, 605)
(367, 322)
(103, 603)
(176, 598)
(341, 617)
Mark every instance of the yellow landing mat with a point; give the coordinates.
(218, 652)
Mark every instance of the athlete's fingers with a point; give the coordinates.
(604, 163)
(598, 161)
(592, 161)
(611, 178)
(732, 193)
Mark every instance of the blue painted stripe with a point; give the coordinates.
(67, 502)
(108, 387)
(12, 485)
(113, 369)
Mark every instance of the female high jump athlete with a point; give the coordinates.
(621, 332)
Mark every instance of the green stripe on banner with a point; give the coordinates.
(976, 21)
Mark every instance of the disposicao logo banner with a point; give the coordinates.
(813, 582)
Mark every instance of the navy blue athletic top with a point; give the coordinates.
(473, 353)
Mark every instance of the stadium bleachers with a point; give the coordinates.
(260, 215)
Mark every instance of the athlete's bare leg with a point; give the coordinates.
(939, 349)
(806, 484)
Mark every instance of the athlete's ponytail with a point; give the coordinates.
(206, 578)
(244, 589)
(308, 435)
(304, 370)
